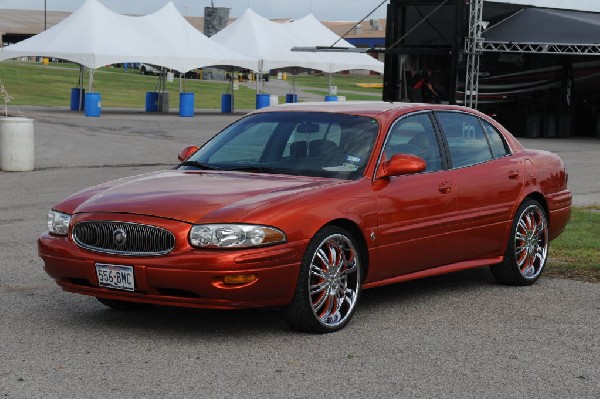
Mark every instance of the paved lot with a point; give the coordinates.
(452, 336)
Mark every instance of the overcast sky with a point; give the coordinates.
(342, 10)
(332, 10)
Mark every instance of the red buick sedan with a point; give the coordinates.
(301, 206)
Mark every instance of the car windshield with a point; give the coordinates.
(295, 143)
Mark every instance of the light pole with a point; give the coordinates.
(45, 14)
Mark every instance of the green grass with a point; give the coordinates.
(349, 96)
(35, 84)
(576, 252)
(346, 85)
(343, 82)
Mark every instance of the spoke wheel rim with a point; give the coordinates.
(334, 280)
(531, 242)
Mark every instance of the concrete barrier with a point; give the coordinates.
(16, 144)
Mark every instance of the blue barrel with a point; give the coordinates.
(263, 100)
(93, 104)
(226, 103)
(330, 98)
(291, 98)
(75, 99)
(186, 104)
(151, 101)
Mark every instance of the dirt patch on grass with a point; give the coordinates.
(564, 269)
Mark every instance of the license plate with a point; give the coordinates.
(115, 276)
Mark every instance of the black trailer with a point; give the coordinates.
(536, 69)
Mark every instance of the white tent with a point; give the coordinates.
(178, 45)
(309, 32)
(95, 36)
(256, 37)
(83, 37)
(270, 43)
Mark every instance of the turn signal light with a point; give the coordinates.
(240, 279)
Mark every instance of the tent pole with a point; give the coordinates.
(80, 86)
(294, 72)
(232, 95)
(330, 91)
(180, 83)
(258, 74)
(91, 82)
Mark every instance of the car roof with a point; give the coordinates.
(365, 108)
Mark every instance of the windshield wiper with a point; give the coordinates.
(261, 169)
(198, 165)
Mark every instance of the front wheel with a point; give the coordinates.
(527, 248)
(328, 286)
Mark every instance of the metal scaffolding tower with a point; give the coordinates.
(473, 46)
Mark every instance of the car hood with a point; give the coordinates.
(190, 196)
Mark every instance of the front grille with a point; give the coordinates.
(122, 238)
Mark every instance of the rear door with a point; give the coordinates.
(488, 179)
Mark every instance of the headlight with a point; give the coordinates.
(234, 235)
(58, 223)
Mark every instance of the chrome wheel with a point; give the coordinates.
(527, 247)
(334, 280)
(531, 242)
(328, 286)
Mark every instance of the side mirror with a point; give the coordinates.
(187, 152)
(401, 164)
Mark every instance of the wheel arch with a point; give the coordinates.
(539, 197)
(358, 235)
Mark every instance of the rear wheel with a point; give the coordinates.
(527, 248)
(123, 305)
(328, 286)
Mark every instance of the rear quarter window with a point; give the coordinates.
(497, 143)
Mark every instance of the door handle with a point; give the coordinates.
(445, 188)
(513, 174)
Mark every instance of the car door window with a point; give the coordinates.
(466, 140)
(499, 148)
(415, 135)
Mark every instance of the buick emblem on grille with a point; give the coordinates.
(119, 237)
(131, 239)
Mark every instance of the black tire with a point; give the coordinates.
(123, 305)
(143, 70)
(527, 248)
(328, 287)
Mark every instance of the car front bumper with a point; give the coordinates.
(190, 278)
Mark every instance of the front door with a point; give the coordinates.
(417, 213)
